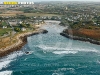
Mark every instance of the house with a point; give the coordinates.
(13, 22)
(66, 8)
(95, 23)
(23, 29)
(20, 22)
(4, 27)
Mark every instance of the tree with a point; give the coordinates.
(17, 29)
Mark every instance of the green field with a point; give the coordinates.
(4, 23)
(4, 31)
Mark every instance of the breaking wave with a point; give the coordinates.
(6, 73)
(4, 62)
(59, 50)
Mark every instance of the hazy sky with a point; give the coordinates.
(49, 0)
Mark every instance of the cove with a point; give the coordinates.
(53, 54)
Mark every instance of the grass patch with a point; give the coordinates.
(7, 14)
(4, 23)
(39, 14)
(4, 31)
(87, 33)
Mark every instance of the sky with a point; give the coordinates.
(49, 0)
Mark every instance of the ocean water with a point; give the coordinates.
(53, 54)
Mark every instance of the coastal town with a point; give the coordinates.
(82, 18)
(50, 37)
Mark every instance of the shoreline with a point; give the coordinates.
(80, 38)
(22, 40)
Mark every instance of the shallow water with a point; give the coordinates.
(53, 54)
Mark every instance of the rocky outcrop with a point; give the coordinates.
(15, 48)
(45, 31)
(23, 40)
(79, 38)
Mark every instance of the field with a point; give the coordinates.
(11, 13)
(10, 40)
(4, 23)
(29, 14)
(38, 14)
(87, 33)
(8, 14)
(4, 31)
(6, 40)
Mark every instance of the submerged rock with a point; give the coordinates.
(27, 52)
(45, 31)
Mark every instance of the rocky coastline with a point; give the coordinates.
(66, 34)
(22, 40)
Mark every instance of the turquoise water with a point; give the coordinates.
(53, 54)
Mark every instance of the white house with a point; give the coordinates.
(23, 29)
(66, 8)
(20, 22)
(4, 27)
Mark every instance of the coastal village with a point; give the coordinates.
(50, 37)
(20, 18)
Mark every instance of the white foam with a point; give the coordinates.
(65, 52)
(56, 74)
(4, 62)
(98, 61)
(6, 73)
(12, 56)
(72, 50)
(30, 52)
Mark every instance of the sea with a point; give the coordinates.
(52, 54)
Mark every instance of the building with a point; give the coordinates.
(4, 27)
(23, 29)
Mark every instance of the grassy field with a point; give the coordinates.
(38, 14)
(4, 31)
(31, 14)
(4, 23)
(10, 40)
(7, 41)
(11, 13)
(87, 33)
(7, 14)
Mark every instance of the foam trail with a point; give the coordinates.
(6, 73)
(58, 50)
(65, 52)
(12, 56)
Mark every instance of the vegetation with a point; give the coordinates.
(80, 16)
(5, 31)
(17, 29)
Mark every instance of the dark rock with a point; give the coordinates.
(45, 31)
(27, 52)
